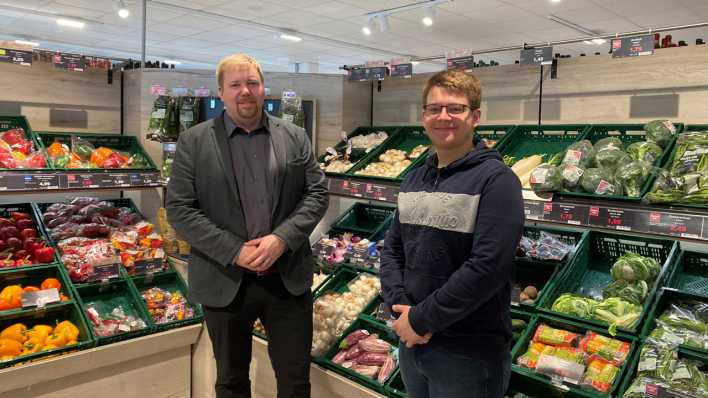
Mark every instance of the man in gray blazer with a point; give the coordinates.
(246, 192)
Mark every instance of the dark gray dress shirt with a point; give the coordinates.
(255, 166)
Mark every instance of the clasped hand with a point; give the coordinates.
(259, 254)
(403, 328)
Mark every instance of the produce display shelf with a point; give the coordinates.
(34, 276)
(12, 122)
(358, 154)
(548, 140)
(690, 273)
(590, 272)
(405, 140)
(541, 386)
(628, 134)
(21, 180)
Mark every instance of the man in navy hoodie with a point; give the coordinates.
(446, 267)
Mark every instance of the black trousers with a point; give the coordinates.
(287, 320)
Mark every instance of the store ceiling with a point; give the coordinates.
(332, 29)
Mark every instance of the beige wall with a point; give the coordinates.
(595, 89)
(34, 91)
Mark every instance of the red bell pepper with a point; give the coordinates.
(44, 255)
(13, 136)
(16, 215)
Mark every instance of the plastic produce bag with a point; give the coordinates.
(612, 350)
(645, 150)
(608, 143)
(690, 315)
(156, 125)
(579, 154)
(660, 131)
(81, 148)
(546, 178)
(114, 316)
(571, 175)
(565, 364)
(610, 158)
(555, 337)
(188, 112)
(632, 177)
(600, 182)
(547, 247)
(600, 375)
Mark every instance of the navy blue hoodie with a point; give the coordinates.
(450, 251)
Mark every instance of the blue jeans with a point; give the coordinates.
(429, 372)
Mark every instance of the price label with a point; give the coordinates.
(377, 73)
(180, 91)
(681, 225)
(537, 56)
(119, 180)
(158, 89)
(612, 218)
(104, 270)
(460, 60)
(569, 214)
(356, 189)
(202, 92)
(16, 57)
(656, 391)
(40, 298)
(358, 74)
(149, 266)
(633, 46)
(151, 179)
(404, 71)
(322, 249)
(70, 62)
(82, 181)
(533, 210)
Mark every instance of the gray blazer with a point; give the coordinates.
(204, 208)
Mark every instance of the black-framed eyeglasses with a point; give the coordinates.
(452, 109)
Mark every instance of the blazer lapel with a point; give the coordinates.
(278, 141)
(224, 155)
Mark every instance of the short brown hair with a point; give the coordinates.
(233, 60)
(457, 82)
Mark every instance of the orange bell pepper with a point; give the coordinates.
(39, 331)
(56, 339)
(57, 149)
(17, 332)
(10, 347)
(69, 329)
(12, 295)
(51, 283)
(32, 345)
(30, 289)
(100, 155)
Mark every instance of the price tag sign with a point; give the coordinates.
(150, 179)
(40, 298)
(656, 391)
(565, 213)
(149, 266)
(403, 71)
(618, 219)
(537, 56)
(16, 57)
(377, 73)
(104, 269)
(533, 210)
(202, 92)
(82, 181)
(460, 60)
(358, 74)
(70, 62)
(322, 249)
(633, 46)
(119, 180)
(681, 225)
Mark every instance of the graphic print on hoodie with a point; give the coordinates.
(449, 252)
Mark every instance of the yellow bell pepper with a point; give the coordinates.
(32, 345)
(72, 342)
(48, 347)
(11, 296)
(69, 329)
(15, 332)
(56, 339)
(40, 331)
(10, 348)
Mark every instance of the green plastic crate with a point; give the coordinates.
(395, 387)
(525, 316)
(545, 274)
(124, 143)
(405, 139)
(540, 385)
(28, 208)
(538, 388)
(545, 139)
(364, 219)
(34, 276)
(690, 274)
(358, 154)
(172, 282)
(628, 134)
(631, 372)
(384, 333)
(589, 273)
(664, 299)
(51, 316)
(495, 132)
(123, 292)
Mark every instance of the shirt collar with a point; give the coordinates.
(232, 128)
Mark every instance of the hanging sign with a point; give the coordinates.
(402, 68)
(460, 60)
(358, 74)
(16, 57)
(537, 56)
(70, 62)
(633, 46)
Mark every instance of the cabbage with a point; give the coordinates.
(579, 154)
(599, 182)
(571, 175)
(645, 150)
(633, 176)
(632, 267)
(611, 158)
(607, 143)
(660, 131)
(546, 178)
(633, 292)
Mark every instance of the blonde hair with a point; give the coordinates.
(457, 82)
(233, 60)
